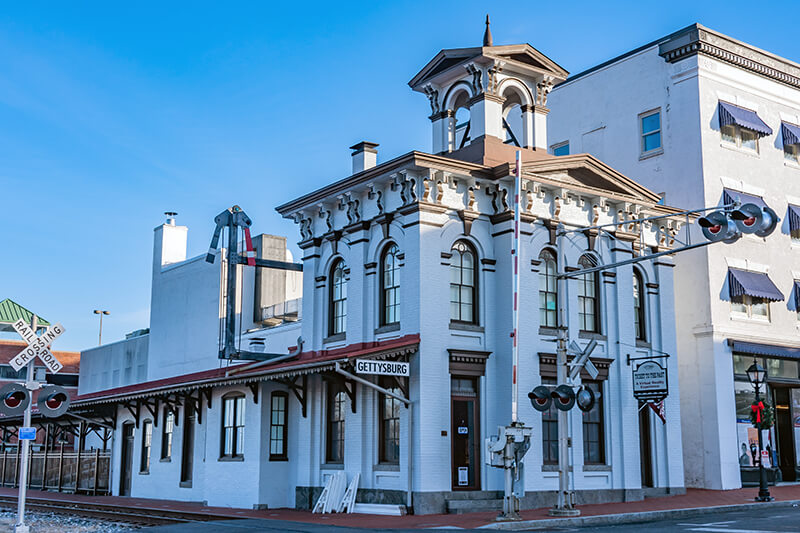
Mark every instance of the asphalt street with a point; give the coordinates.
(766, 520)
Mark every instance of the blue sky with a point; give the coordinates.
(113, 113)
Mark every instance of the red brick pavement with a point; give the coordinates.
(693, 498)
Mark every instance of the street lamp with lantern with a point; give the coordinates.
(757, 375)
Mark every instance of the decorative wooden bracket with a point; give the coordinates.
(300, 391)
(135, 409)
(253, 386)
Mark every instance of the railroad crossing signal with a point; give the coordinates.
(53, 401)
(729, 225)
(37, 346)
(14, 399)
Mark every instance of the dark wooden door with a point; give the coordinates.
(784, 427)
(127, 460)
(187, 450)
(465, 436)
(645, 447)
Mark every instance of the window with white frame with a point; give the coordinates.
(792, 152)
(750, 307)
(740, 137)
(560, 148)
(650, 130)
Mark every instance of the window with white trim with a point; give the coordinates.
(791, 152)
(560, 148)
(739, 137)
(650, 131)
(745, 306)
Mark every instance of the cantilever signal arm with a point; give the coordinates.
(271, 263)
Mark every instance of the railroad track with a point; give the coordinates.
(145, 516)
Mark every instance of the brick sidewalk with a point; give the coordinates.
(694, 498)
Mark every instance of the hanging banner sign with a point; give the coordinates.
(382, 368)
(650, 381)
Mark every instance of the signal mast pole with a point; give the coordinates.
(20, 526)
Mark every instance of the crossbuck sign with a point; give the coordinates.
(37, 346)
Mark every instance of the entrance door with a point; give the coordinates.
(645, 447)
(187, 451)
(784, 427)
(465, 436)
(126, 465)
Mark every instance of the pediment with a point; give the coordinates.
(585, 173)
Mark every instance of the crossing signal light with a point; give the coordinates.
(585, 399)
(751, 218)
(53, 401)
(563, 397)
(718, 226)
(14, 399)
(540, 398)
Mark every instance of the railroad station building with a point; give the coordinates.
(408, 260)
(707, 119)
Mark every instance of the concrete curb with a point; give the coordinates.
(632, 518)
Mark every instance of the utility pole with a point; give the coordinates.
(101, 313)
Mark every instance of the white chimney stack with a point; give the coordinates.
(365, 156)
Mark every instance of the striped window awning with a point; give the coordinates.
(730, 196)
(791, 133)
(754, 348)
(797, 295)
(794, 218)
(744, 118)
(754, 284)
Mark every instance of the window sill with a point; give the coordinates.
(386, 467)
(185, 484)
(651, 153)
(643, 344)
(278, 458)
(549, 331)
(231, 459)
(749, 319)
(332, 466)
(596, 468)
(792, 164)
(165, 460)
(387, 328)
(144, 473)
(552, 468)
(334, 338)
(591, 335)
(465, 326)
(743, 151)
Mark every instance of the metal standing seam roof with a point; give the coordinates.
(11, 311)
(755, 284)
(745, 118)
(730, 196)
(239, 374)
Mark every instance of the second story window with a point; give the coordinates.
(338, 299)
(560, 148)
(463, 285)
(794, 223)
(797, 298)
(751, 293)
(791, 141)
(588, 303)
(548, 297)
(232, 426)
(639, 307)
(390, 286)
(650, 130)
(741, 127)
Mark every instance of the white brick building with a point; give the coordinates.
(409, 260)
(705, 119)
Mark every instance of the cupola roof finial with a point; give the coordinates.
(487, 35)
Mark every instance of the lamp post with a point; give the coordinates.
(757, 376)
(101, 313)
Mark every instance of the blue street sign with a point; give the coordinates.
(27, 433)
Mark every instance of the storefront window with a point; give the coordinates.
(742, 362)
(796, 423)
(781, 368)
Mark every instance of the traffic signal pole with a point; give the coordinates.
(20, 526)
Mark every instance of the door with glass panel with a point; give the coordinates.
(465, 434)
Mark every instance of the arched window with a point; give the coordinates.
(588, 302)
(463, 283)
(512, 119)
(461, 124)
(548, 295)
(639, 307)
(390, 286)
(338, 299)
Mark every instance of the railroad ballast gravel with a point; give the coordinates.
(62, 523)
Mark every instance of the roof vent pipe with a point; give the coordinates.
(170, 217)
(365, 156)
